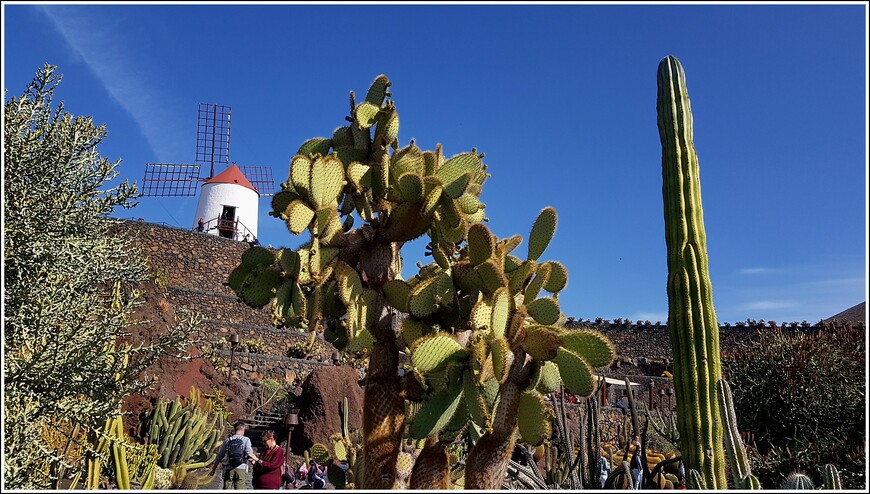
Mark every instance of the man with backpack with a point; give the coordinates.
(234, 454)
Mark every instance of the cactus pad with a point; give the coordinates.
(542, 232)
(435, 351)
(398, 293)
(544, 310)
(596, 348)
(281, 200)
(367, 114)
(409, 159)
(327, 180)
(317, 145)
(413, 330)
(298, 216)
(257, 257)
(533, 418)
(453, 172)
(469, 204)
(501, 311)
(257, 289)
(300, 175)
(481, 314)
(378, 90)
(491, 276)
(320, 453)
(550, 379)
(391, 129)
(429, 294)
(406, 222)
(339, 449)
(481, 244)
(360, 176)
(558, 277)
(433, 197)
(363, 341)
(349, 283)
(502, 358)
(237, 277)
(541, 343)
(541, 276)
(519, 276)
(411, 187)
(436, 413)
(575, 372)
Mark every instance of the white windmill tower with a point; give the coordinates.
(228, 203)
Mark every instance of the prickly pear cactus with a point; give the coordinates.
(694, 330)
(483, 328)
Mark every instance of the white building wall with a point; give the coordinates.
(213, 197)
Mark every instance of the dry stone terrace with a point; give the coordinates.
(194, 267)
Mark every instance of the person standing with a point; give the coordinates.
(267, 468)
(636, 466)
(234, 454)
(200, 227)
(605, 470)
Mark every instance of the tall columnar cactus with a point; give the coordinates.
(736, 453)
(593, 442)
(483, 327)
(692, 323)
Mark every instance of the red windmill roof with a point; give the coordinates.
(232, 175)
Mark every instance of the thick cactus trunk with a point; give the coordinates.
(694, 330)
(488, 460)
(383, 405)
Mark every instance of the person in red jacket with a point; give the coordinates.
(267, 469)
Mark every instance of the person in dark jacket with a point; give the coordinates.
(316, 475)
(267, 468)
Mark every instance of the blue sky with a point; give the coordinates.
(560, 97)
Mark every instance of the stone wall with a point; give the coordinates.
(193, 268)
(188, 258)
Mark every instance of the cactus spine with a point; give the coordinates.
(694, 330)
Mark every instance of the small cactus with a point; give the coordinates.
(832, 478)
(797, 481)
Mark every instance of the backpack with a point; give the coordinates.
(235, 452)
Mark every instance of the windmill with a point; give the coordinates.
(229, 201)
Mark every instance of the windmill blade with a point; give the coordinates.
(261, 178)
(170, 180)
(213, 135)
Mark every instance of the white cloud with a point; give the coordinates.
(767, 305)
(754, 271)
(100, 46)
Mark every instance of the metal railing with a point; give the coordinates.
(236, 228)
